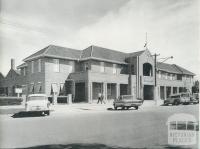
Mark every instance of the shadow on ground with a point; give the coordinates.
(98, 146)
(111, 109)
(27, 114)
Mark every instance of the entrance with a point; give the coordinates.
(111, 91)
(79, 92)
(123, 89)
(148, 92)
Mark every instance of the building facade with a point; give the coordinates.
(59, 71)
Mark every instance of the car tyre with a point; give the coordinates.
(115, 107)
(47, 113)
(136, 107)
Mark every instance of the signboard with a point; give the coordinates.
(18, 90)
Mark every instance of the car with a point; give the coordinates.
(178, 98)
(196, 97)
(37, 103)
(127, 101)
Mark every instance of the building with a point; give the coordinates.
(58, 71)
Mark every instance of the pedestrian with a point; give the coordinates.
(99, 98)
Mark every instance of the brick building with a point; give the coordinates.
(58, 71)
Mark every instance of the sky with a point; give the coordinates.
(27, 26)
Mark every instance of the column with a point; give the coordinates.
(171, 90)
(89, 91)
(165, 92)
(105, 91)
(54, 98)
(117, 90)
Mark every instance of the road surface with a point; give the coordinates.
(123, 128)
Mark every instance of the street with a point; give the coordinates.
(141, 128)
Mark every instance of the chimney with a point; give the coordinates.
(12, 63)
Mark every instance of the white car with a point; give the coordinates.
(38, 103)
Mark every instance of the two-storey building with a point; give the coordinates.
(58, 71)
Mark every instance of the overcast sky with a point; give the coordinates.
(27, 26)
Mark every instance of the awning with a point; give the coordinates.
(54, 88)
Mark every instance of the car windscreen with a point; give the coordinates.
(36, 98)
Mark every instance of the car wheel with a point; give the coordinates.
(47, 113)
(115, 107)
(136, 107)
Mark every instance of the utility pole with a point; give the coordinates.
(155, 67)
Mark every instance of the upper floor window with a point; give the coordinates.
(86, 66)
(114, 68)
(102, 67)
(39, 65)
(24, 71)
(32, 67)
(147, 69)
(170, 77)
(166, 74)
(56, 65)
(179, 77)
(159, 74)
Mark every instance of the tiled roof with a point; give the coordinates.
(172, 68)
(56, 51)
(99, 53)
(138, 53)
(104, 54)
(22, 65)
(1, 76)
(183, 70)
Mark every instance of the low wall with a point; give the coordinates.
(6, 101)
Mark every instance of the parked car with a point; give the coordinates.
(37, 103)
(196, 97)
(127, 101)
(179, 98)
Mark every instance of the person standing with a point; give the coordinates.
(99, 98)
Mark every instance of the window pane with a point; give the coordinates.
(173, 125)
(181, 125)
(190, 125)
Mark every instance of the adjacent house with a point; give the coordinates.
(58, 71)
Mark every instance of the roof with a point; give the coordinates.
(138, 53)
(57, 52)
(100, 53)
(1, 76)
(22, 65)
(183, 70)
(172, 68)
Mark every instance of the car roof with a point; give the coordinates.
(35, 95)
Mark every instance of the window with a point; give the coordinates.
(166, 75)
(170, 76)
(114, 69)
(32, 67)
(179, 77)
(56, 66)
(39, 65)
(24, 71)
(159, 74)
(102, 68)
(71, 66)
